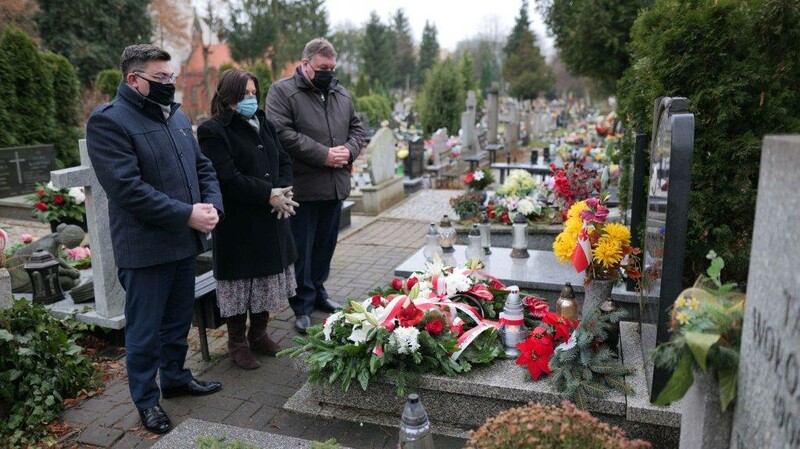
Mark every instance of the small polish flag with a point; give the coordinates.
(582, 254)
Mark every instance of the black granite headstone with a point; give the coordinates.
(637, 194)
(414, 163)
(666, 220)
(22, 167)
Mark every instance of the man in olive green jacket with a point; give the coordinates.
(317, 125)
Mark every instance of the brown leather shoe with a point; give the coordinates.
(259, 338)
(237, 343)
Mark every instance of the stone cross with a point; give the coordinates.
(108, 293)
(381, 157)
(512, 129)
(768, 403)
(493, 113)
(17, 160)
(439, 146)
(469, 140)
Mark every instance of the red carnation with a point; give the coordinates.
(469, 177)
(58, 199)
(397, 284)
(410, 283)
(40, 192)
(434, 327)
(376, 301)
(41, 206)
(410, 316)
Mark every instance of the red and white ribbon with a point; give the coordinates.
(469, 336)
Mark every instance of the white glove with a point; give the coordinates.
(282, 203)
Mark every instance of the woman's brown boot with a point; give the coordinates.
(258, 337)
(237, 343)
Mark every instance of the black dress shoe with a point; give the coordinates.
(327, 305)
(302, 323)
(155, 420)
(193, 388)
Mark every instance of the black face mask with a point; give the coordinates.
(162, 94)
(322, 80)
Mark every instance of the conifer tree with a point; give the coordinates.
(405, 60)
(428, 52)
(522, 26)
(442, 98)
(377, 53)
(66, 87)
(525, 68)
(583, 369)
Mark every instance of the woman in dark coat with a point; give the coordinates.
(254, 251)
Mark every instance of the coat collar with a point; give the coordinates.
(301, 82)
(147, 106)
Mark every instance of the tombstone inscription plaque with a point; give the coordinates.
(22, 167)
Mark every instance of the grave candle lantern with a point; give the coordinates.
(512, 323)
(447, 235)
(567, 305)
(432, 247)
(42, 268)
(474, 249)
(519, 239)
(486, 234)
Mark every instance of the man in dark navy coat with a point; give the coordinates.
(163, 200)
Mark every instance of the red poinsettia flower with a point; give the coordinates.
(536, 306)
(58, 199)
(561, 325)
(397, 284)
(410, 283)
(434, 327)
(410, 316)
(41, 206)
(497, 285)
(40, 192)
(481, 291)
(536, 354)
(376, 301)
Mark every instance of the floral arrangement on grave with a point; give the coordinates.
(479, 179)
(51, 204)
(549, 426)
(79, 257)
(603, 250)
(467, 205)
(549, 331)
(571, 184)
(403, 335)
(706, 335)
(585, 366)
(519, 194)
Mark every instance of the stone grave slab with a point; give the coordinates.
(768, 403)
(22, 167)
(185, 435)
(386, 189)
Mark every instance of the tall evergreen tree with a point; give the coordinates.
(522, 26)
(91, 34)
(252, 30)
(526, 71)
(428, 52)
(406, 61)
(299, 21)
(377, 50)
(442, 99)
(347, 41)
(67, 88)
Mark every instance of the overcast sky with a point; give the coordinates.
(455, 20)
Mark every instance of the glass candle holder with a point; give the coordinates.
(447, 235)
(519, 238)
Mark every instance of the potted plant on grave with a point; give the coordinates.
(705, 343)
(467, 205)
(58, 206)
(478, 181)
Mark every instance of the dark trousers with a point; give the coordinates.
(315, 229)
(158, 314)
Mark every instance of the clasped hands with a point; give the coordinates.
(204, 217)
(337, 157)
(281, 201)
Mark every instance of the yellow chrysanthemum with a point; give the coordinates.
(575, 210)
(573, 224)
(563, 246)
(680, 302)
(683, 317)
(694, 303)
(608, 252)
(618, 232)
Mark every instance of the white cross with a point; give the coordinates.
(108, 293)
(17, 161)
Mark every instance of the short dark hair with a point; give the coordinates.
(318, 46)
(135, 57)
(230, 90)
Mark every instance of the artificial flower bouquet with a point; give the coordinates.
(572, 183)
(51, 204)
(479, 179)
(420, 329)
(519, 194)
(79, 257)
(603, 250)
(706, 335)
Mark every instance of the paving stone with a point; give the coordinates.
(130, 420)
(242, 414)
(212, 414)
(129, 441)
(99, 404)
(79, 416)
(100, 436)
(111, 417)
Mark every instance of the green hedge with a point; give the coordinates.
(738, 62)
(374, 109)
(67, 88)
(107, 82)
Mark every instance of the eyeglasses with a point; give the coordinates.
(159, 78)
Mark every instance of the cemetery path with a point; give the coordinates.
(365, 258)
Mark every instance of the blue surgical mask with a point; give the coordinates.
(247, 107)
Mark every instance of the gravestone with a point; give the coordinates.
(6, 298)
(665, 223)
(414, 163)
(387, 188)
(493, 114)
(108, 293)
(768, 404)
(512, 129)
(22, 167)
(469, 139)
(637, 189)
(439, 148)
